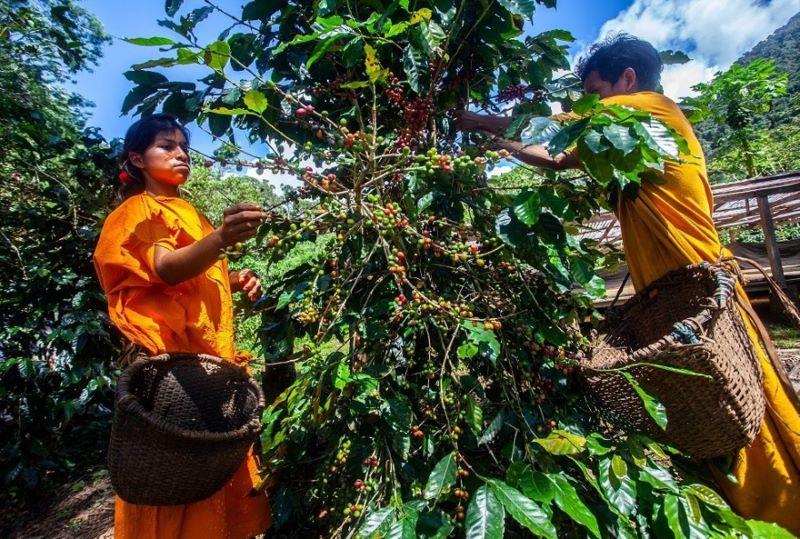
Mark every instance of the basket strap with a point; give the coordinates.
(789, 308)
(621, 288)
(130, 354)
(769, 347)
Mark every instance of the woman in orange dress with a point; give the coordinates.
(158, 262)
(669, 225)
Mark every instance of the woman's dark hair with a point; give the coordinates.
(612, 56)
(138, 138)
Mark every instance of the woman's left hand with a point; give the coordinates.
(248, 282)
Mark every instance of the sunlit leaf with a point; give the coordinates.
(442, 478)
(524, 510)
(485, 516)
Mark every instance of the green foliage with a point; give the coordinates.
(774, 135)
(773, 150)
(781, 48)
(436, 333)
(211, 191)
(783, 232)
(54, 39)
(55, 349)
(736, 96)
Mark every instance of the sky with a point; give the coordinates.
(713, 32)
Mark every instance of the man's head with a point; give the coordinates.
(621, 64)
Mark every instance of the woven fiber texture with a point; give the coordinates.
(183, 424)
(687, 319)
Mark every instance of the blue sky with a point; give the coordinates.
(714, 32)
(107, 86)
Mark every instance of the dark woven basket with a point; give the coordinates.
(688, 319)
(183, 424)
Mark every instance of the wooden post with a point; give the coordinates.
(771, 242)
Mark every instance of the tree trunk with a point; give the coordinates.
(748, 155)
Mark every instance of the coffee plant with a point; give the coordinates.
(437, 329)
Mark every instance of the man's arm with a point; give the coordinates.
(470, 121)
(537, 156)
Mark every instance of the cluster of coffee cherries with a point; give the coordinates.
(395, 91)
(232, 251)
(416, 114)
(387, 218)
(363, 486)
(309, 314)
(303, 110)
(518, 92)
(512, 92)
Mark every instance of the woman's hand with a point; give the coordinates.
(240, 223)
(246, 281)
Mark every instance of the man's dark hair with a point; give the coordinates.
(612, 56)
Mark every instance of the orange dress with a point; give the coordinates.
(193, 316)
(669, 226)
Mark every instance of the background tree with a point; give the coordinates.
(735, 97)
(55, 347)
(436, 335)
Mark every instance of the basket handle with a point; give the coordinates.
(687, 331)
(789, 308)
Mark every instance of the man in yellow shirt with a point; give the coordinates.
(669, 225)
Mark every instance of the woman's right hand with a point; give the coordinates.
(240, 222)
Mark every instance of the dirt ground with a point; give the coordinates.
(80, 509)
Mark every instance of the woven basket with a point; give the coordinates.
(688, 319)
(183, 424)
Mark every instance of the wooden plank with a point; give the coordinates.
(780, 213)
(771, 187)
(773, 253)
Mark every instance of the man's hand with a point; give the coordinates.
(471, 121)
(240, 223)
(248, 282)
(468, 121)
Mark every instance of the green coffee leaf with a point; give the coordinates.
(217, 54)
(375, 523)
(442, 478)
(524, 510)
(255, 100)
(561, 442)
(485, 516)
(528, 207)
(150, 41)
(569, 501)
(654, 408)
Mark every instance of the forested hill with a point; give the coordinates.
(776, 128)
(783, 47)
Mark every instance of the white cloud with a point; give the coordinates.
(499, 169)
(715, 33)
(276, 180)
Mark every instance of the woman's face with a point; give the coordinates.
(166, 160)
